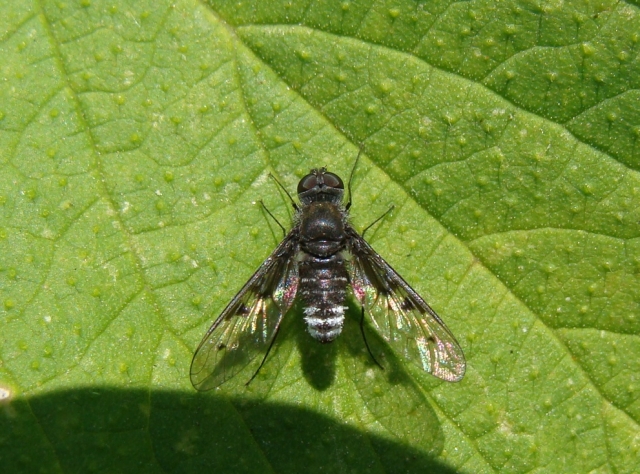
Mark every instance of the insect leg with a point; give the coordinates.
(293, 203)
(353, 170)
(266, 354)
(365, 340)
(284, 232)
(391, 208)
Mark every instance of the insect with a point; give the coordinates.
(322, 261)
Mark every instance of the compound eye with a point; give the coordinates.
(333, 181)
(310, 181)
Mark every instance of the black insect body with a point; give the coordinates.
(320, 261)
(322, 271)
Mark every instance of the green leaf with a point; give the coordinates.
(136, 139)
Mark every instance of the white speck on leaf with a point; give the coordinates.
(5, 393)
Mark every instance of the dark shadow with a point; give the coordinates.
(114, 430)
(318, 360)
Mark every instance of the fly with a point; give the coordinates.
(322, 261)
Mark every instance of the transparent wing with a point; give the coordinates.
(243, 333)
(401, 316)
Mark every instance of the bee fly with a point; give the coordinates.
(319, 261)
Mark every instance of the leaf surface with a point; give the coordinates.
(136, 139)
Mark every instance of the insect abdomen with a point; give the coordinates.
(323, 284)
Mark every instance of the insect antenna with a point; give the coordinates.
(353, 170)
(293, 203)
(284, 232)
(391, 208)
(365, 340)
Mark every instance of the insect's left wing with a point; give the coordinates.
(242, 335)
(400, 315)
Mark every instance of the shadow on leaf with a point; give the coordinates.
(114, 430)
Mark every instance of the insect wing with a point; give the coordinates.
(401, 316)
(242, 335)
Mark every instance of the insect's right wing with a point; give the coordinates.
(242, 335)
(401, 316)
